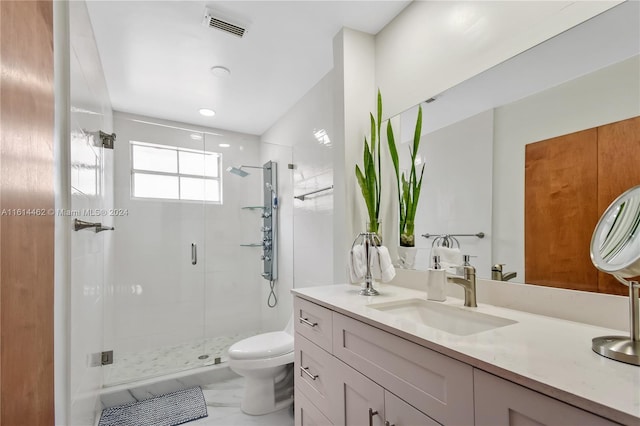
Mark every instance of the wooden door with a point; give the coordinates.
(561, 210)
(356, 397)
(27, 221)
(618, 170)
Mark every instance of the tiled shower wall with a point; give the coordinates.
(303, 138)
(91, 192)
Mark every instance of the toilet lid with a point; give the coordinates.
(265, 345)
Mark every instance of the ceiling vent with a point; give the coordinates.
(212, 20)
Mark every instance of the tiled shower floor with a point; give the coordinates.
(130, 367)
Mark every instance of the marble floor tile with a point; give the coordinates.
(223, 405)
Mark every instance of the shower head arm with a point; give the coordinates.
(255, 167)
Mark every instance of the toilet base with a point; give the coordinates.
(267, 390)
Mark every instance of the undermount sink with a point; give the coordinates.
(450, 319)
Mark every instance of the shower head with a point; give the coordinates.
(237, 171)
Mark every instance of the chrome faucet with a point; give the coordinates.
(468, 282)
(498, 275)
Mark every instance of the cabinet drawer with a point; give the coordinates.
(500, 402)
(307, 414)
(313, 369)
(399, 413)
(437, 385)
(313, 322)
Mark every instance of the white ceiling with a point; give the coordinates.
(157, 55)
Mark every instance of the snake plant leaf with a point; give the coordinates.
(417, 133)
(416, 197)
(373, 135)
(393, 150)
(364, 188)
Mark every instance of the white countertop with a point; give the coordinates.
(549, 355)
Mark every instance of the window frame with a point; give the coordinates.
(177, 174)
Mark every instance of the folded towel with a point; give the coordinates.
(357, 264)
(381, 264)
(450, 258)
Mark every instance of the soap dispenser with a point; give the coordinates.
(436, 281)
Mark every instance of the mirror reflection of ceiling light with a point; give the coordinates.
(207, 112)
(224, 145)
(322, 137)
(220, 71)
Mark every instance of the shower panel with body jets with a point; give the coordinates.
(269, 223)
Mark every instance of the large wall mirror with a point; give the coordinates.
(475, 134)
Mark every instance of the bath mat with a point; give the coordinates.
(171, 409)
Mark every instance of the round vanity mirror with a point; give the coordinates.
(615, 249)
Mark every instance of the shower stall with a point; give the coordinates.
(186, 278)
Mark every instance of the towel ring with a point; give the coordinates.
(446, 240)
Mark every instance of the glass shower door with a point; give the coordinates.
(162, 183)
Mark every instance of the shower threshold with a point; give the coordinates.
(137, 366)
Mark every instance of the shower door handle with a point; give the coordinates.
(194, 253)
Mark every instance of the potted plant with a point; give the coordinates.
(408, 187)
(369, 177)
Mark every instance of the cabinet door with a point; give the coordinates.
(308, 414)
(359, 401)
(499, 402)
(438, 385)
(399, 413)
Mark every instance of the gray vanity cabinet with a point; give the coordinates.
(362, 382)
(358, 400)
(356, 371)
(499, 402)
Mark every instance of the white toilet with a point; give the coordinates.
(266, 362)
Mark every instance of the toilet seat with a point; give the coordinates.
(262, 346)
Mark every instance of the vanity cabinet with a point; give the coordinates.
(440, 386)
(358, 400)
(359, 377)
(368, 376)
(499, 402)
(307, 414)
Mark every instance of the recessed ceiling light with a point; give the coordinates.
(224, 145)
(196, 136)
(207, 112)
(220, 71)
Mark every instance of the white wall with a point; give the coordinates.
(456, 188)
(91, 166)
(434, 45)
(160, 298)
(311, 222)
(354, 99)
(605, 96)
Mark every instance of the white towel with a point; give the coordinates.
(450, 258)
(357, 264)
(381, 264)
